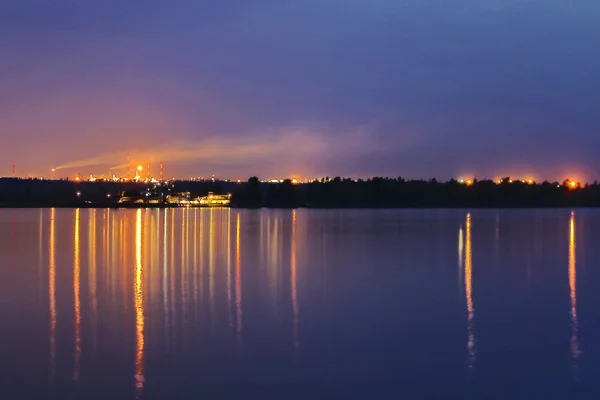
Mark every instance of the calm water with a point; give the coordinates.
(225, 304)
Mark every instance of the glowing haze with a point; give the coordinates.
(236, 88)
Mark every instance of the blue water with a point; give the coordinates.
(305, 304)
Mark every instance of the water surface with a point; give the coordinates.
(226, 303)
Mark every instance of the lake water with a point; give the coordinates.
(226, 304)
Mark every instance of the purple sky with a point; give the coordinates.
(417, 88)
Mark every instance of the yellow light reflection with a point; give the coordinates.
(92, 275)
(460, 252)
(139, 306)
(238, 280)
(293, 280)
(165, 277)
(77, 301)
(211, 259)
(229, 266)
(195, 264)
(183, 271)
(52, 293)
(172, 281)
(573, 289)
(469, 292)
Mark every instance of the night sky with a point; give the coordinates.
(417, 88)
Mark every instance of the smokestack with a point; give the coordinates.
(149, 171)
(13, 170)
(161, 171)
(128, 166)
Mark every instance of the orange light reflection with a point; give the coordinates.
(139, 306)
(573, 289)
(469, 291)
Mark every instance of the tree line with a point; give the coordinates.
(382, 192)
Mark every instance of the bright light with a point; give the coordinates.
(140, 168)
(78, 194)
(53, 169)
(294, 180)
(108, 195)
(510, 181)
(573, 184)
(461, 180)
(77, 179)
(499, 181)
(469, 182)
(530, 181)
(239, 181)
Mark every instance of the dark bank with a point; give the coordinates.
(325, 193)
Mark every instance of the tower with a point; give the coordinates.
(161, 170)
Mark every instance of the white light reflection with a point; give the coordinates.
(52, 293)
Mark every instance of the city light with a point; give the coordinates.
(139, 168)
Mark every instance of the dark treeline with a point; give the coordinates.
(327, 193)
(397, 193)
(16, 192)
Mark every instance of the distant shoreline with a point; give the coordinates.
(336, 193)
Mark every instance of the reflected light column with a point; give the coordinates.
(52, 293)
(165, 277)
(229, 267)
(76, 295)
(573, 289)
(238, 283)
(211, 261)
(293, 279)
(469, 291)
(460, 253)
(139, 306)
(92, 274)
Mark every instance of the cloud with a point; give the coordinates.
(294, 146)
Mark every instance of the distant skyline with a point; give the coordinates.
(235, 88)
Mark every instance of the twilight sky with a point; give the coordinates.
(417, 88)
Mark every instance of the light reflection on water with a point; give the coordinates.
(177, 303)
